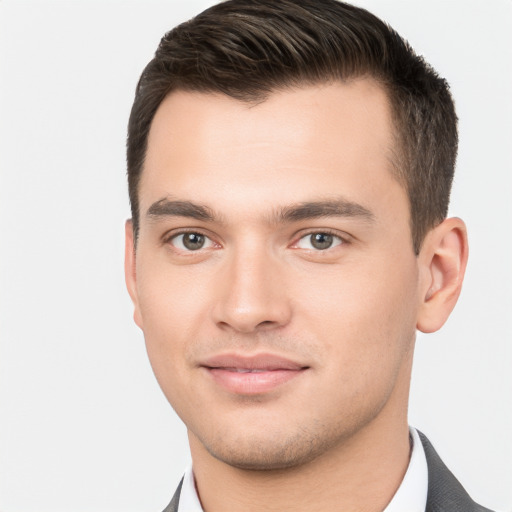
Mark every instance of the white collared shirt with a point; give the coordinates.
(411, 496)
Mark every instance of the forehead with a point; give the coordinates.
(302, 141)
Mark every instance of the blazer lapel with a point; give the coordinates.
(173, 505)
(445, 493)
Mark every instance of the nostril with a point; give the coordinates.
(265, 322)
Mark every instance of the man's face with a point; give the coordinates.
(275, 279)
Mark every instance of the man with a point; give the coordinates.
(289, 169)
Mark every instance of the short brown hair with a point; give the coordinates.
(248, 48)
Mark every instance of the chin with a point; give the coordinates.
(265, 460)
(257, 453)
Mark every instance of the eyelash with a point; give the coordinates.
(167, 239)
(335, 234)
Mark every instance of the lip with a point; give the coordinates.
(252, 375)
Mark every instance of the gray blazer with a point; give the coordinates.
(445, 493)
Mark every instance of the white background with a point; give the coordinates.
(83, 425)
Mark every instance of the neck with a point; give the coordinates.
(358, 478)
(360, 474)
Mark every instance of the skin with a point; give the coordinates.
(335, 436)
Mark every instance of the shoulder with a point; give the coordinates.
(445, 492)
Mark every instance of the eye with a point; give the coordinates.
(191, 241)
(319, 241)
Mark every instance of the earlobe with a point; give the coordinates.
(443, 259)
(130, 270)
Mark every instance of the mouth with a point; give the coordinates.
(252, 375)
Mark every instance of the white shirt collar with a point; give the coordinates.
(411, 496)
(189, 501)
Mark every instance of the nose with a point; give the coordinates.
(252, 294)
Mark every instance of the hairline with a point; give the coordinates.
(395, 154)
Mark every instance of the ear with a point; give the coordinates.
(442, 260)
(130, 273)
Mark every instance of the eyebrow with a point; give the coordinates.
(317, 209)
(169, 208)
(338, 207)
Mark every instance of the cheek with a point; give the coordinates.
(171, 306)
(364, 315)
(365, 327)
(170, 298)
